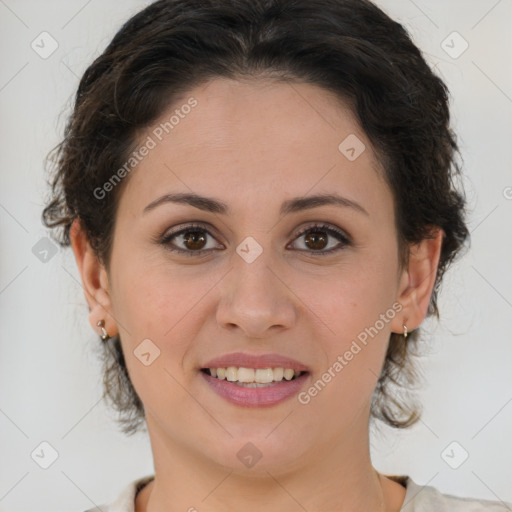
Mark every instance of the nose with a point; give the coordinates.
(255, 299)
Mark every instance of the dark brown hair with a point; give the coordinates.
(349, 47)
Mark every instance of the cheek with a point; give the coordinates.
(153, 301)
(356, 312)
(354, 299)
(149, 304)
(354, 344)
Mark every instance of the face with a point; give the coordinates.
(253, 279)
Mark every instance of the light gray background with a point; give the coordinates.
(50, 381)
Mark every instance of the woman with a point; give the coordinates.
(260, 199)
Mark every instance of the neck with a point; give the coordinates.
(337, 478)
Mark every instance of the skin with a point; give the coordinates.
(253, 144)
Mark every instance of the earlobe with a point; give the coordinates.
(417, 281)
(94, 279)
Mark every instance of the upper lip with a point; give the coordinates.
(240, 359)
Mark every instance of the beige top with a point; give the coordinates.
(418, 498)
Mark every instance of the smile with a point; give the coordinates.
(255, 387)
(244, 375)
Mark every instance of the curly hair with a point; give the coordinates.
(348, 47)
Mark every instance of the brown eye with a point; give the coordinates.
(196, 239)
(191, 240)
(316, 239)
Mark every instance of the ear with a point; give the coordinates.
(94, 280)
(417, 282)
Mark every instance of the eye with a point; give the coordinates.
(317, 237)
(193, 237)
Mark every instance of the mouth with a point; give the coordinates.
(255, 380)
(254, 377)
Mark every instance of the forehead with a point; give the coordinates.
(256, 136)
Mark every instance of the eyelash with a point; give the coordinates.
(330, 230)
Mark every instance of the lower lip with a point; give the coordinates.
(256, 397)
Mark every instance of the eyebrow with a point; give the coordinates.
(209, 204)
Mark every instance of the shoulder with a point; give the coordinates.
(425, 498)
(125, 501)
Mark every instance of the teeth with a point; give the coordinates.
(246, 375)
(231, 374)
(278, 374)
(264, 375)
(254, 375)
